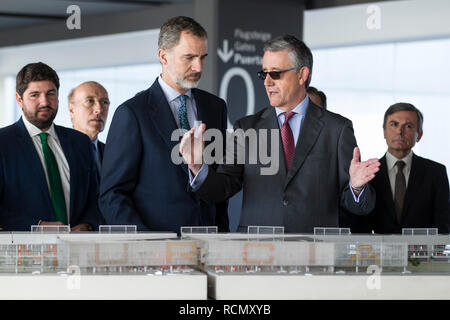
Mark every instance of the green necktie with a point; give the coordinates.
(54, 179)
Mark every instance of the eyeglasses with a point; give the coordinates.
(90, 102)
(275, 75)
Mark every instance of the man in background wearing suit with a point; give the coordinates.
(314, 155)
(140, 185)
(47, 172)
(412, 192)
(88, 107)
(317, 97)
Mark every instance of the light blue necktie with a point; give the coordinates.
(182, 113)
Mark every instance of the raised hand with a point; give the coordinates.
(191, 148)
(362, 172)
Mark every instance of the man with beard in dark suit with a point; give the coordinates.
(140, 183)
(47, 172)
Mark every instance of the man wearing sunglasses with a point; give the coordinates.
(320, 176)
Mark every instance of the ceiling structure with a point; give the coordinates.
(20, 13)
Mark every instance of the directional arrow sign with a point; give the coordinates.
(224, 54)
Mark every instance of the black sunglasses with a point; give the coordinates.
(275, 75)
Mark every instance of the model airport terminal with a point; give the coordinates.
(263, 250)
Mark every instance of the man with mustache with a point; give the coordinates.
(140, 184)
(47, 172)
(88, 107)
(412, 192)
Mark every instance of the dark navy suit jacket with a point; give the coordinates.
(314, 189)
(24, 193)
(101, 150)
(140, 185)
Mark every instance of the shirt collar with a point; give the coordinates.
(391, 160)
(300, 109)
(169, 92)
(34, 131)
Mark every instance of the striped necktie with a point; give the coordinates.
(287, 138)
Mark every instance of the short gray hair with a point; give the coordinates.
(403, 106)
(299, 53)
(170, 32)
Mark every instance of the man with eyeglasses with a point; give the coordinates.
(320, 176)
(88, 107)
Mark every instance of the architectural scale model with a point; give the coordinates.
(326, 251)
(330, 251)
(96, 253)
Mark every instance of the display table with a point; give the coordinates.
(111, 287)
(329, 287)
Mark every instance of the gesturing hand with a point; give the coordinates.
(362, 172)
(191, 148)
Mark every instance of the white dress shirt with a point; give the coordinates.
(392, 168)
(55, 146)
(172, 98)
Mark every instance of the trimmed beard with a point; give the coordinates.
(186, 84)
(41, 124)
(183, 83)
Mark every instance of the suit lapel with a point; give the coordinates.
(101, 149)
(310, 131)
(414, 181)
(162, 117)
(385, 189)
(204, 114)
(70, 157)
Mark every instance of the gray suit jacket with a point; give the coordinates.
(315, 189)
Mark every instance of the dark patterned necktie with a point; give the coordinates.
(287, 139)
(182, 113)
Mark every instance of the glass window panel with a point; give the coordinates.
(361, 82)
(121, 82)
